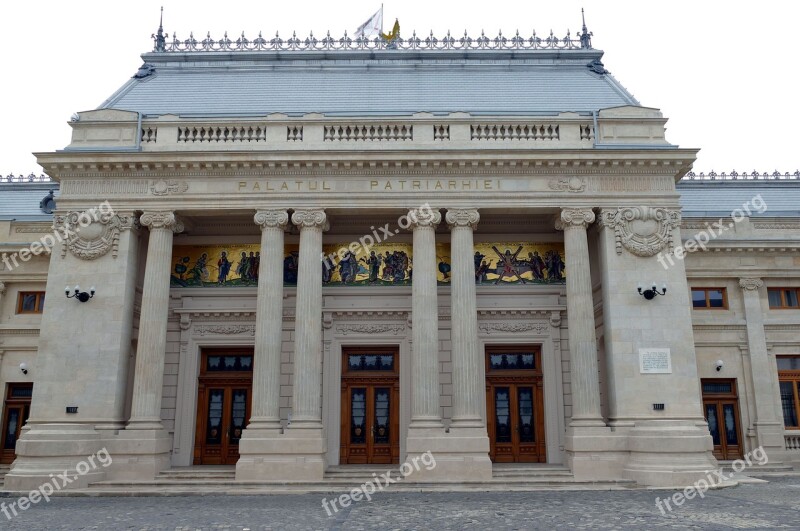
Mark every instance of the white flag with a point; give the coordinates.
(372, 26)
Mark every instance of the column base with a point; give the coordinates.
(669, 454)
(460, 455)
(48, 450)
(771, 440)
(139, 454)
(594, 452)
(296, 455)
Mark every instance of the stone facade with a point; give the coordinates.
(603, 186)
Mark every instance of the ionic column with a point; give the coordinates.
(149, 375)
(2, 292)
(425, 412)
(768, 424)
(580, 314)
(466, 357)
(269, 322)
(307, 388)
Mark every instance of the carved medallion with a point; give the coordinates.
(643, 231)
(90, 236)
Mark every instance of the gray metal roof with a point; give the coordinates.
(20, 201)
(720, 198)
(371, 83)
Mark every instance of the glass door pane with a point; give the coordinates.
(731, 433)
(13, 422)
(214, 418)
(238, 414)
(526, 431)
(713, 422)
(787, 405)
(381, 428)
(502, 412)
(358, 415)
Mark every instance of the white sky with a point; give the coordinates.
(721, 71)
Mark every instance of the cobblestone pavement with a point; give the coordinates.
(775, 505)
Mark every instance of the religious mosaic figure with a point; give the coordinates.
(555, 266)
(348, 268)
(224, 267)
(244, 267)
(482, 271)
(199, 272)
(508, 266)
(290, 268)
(536, 265)
(255, 263)
(374, 264)
(444, 269)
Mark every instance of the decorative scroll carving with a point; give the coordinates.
(463, 218)
(369, 328)
(226, 329)
(643, 231)
(92, 234)
(750, 284)
(162, 187)
(568, 184)
(271, 219)
(309, 218)
(539, 328)
(161, 220)
(575, 218)
(424, 217)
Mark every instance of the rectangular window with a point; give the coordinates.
(784, 298)
(789, 376)
(30, 302)
(713, 298)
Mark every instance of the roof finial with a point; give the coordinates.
(159, 39)
(586, 36)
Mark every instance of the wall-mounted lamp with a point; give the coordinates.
(651, 293)
(719, 365)
(78, 294)
(23, 367)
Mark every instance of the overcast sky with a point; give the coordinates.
(724, 73)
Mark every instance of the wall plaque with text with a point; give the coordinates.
(655, 361)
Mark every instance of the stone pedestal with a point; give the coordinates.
(83, 351)
(768, 423)
(670, 446)
(264, 429)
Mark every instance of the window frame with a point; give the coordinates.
(38, 304)
(793, 377)
(783, 305)
(707, 290)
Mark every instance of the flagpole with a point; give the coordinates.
(381, 17)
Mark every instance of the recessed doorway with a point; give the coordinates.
(515, 404)
(223, 404)
(370, 405)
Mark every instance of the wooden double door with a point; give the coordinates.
(223, 405)
(721, 409)
(16, 409)
(370, 396)
(515, 405)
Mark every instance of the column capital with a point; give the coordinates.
(271, 219)
(750, 284)
(468, 217)
(161, 220)
(310, 218)
(2, 288)
(423, 217)
(573, 218)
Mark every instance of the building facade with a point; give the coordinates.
(308, 254)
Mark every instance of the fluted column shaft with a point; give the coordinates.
(580, 313)
(269, 322)
(425, 411)
(151, 348)
(307, 388)
(761, 367)
(466, 357)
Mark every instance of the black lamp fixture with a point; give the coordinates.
(78, 294)
(651, 293)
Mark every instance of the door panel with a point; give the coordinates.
(515, 405)
(721, 410)
(15, 414)
(370, 406)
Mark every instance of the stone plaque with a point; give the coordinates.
(655, 361)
